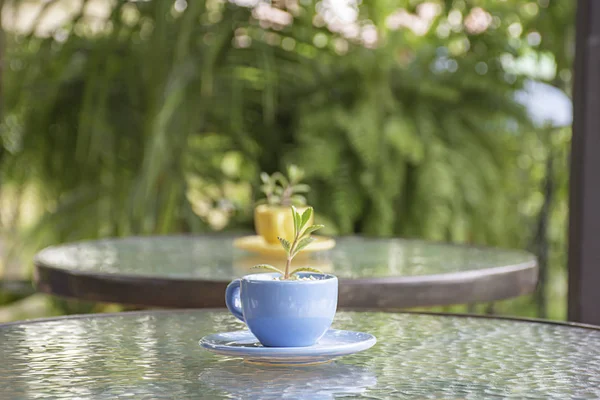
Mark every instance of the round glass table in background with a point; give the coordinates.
(156, 355)
(193, 271)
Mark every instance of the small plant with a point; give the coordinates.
(284, 191)
(301, 239)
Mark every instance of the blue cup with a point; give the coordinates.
(286, 313)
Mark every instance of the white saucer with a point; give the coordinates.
(334, 343)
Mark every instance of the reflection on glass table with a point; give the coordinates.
(244, 381)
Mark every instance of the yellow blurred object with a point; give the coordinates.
(271, 222)
(257, 244)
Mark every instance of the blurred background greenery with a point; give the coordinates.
(154, 117)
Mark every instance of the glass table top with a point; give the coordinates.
(155, 355)
(215, 258)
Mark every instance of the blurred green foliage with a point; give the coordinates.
(159, 118)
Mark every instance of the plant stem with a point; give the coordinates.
(287, 268)
(288, 263)
(285, 196)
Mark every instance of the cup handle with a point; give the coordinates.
(233, 301)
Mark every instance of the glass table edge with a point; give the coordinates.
(566, 324)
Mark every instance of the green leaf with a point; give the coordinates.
(312, 228)
(264, 177)
(269, 267)
(305, 217)
(302, 244)
(274, 200)
(298, 200)
(301, 188)
(297, 221)
(295, 174)
(285, 244)
(278, 176)
(267, 188)
(306, 269)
